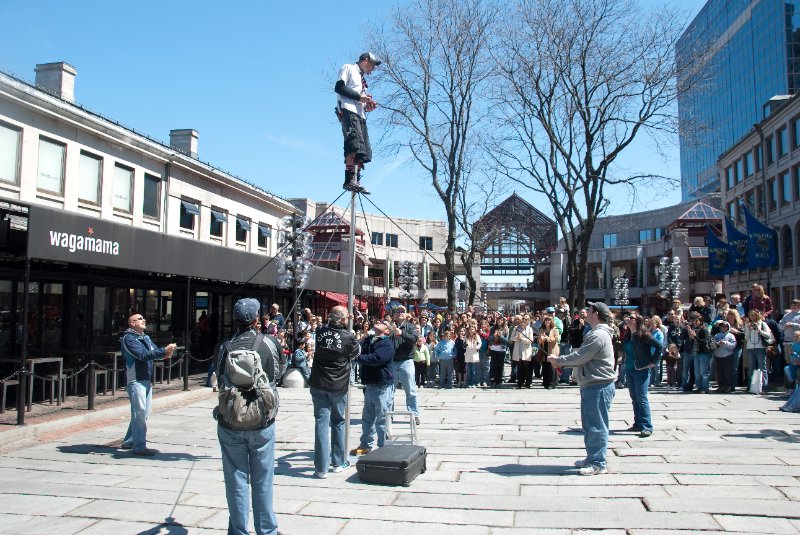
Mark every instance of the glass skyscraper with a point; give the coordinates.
(735, 56)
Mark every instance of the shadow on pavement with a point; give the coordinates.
(169, 527)
(514, 470)
(774, 434)
(284, 465)
(117, 453)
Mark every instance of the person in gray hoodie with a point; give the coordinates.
(593, 363)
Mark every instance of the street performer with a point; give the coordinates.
(352, 103)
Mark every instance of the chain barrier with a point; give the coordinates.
(199, 359)
(66, 377)
(172, 363)
(10, 376)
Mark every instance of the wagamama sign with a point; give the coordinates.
(74, 242)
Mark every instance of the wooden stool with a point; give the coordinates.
(5, 385)
(58, 394)
(70, 379)
(158, 368)
(99, 374)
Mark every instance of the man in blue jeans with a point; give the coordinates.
(330, 376)
(594, 372)
(139, 353)
(377, 376)
(248, 455)
(404, 337)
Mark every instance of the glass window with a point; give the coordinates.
(51, 166)
(187, 212)
(773, 194)
(10, 138)
(757, 155)
(645, 235)
(796, 172)
(659, 233)
(217, 219)
(377, 238)
(729, 177)
(101, 318)
(121, 188)
(51, 315)
(739, 171)
(391, 240)
(242, 228)
(609, 240)
(760, 200)
(786, 188)
(770, 150)
(90, 178)
(748, 164)
(783, 142)
(796, 132)
(426, 243)
(732, 211)
(264, 234)
(152, 196)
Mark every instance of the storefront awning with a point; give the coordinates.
(364, 259)
(244, 224)
(341, 299)
(265, 231)
(191, 207)
(61, 236)
(219, 217)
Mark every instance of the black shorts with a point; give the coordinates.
(356, 137)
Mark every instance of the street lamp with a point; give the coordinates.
(668, 275)
(294, 268)
(621, 290)
(408, 280)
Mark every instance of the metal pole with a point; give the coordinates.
(92, 385)
(350, 302)
(186, 334)
(23, 372)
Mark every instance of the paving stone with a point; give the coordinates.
(524, 503)
(106, 527)
(372, 527)
(21, 504)
(144, 512)
(41, 525)
(753, 524)
(742, 480)
(725, 491)
(595, 520)
(412, 514)
(732, 506)
(599, 491)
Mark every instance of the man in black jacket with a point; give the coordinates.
(330, 377)
(378, 379)
(404, 337)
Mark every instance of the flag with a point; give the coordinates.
(737, 243)
(720, 256)
(760, 242)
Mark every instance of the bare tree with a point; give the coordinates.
(436, 62)
(582, 79)
(477, 197)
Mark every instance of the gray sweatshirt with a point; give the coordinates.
(594, 360)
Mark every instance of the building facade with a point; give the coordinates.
(733, 58)
(771, 192)
(99, 221)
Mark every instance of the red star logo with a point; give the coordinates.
(90, 231)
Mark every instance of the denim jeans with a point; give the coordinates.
(564, 348)
(687, 362)
(485, 361)
(329, 428)
(702, 369)
(404, 372)
(656, 374)
(248, 460)
(377, 402)
(141, 397)
(736, 357)
(446, 373)
(473, 373)
(638, 381)
(496, 367)
(595, 404)
(757, 357)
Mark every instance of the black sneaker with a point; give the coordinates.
(147, 452)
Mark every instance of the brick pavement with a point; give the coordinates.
(500, 462)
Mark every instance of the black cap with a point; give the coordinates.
(371, 57)
(602, 309)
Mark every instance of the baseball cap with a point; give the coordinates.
(550, 310)
(246, 310)
(602, 309)
(371, 57)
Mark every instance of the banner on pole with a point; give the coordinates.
(761, 247)
(719, 254)
(737, 242)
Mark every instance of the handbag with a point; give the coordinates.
(755, 382)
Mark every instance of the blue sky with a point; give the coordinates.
(254, 78)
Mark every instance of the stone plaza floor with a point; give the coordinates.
(499, 462)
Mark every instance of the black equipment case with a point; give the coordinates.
(397, 464)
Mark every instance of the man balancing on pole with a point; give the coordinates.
(352, 103)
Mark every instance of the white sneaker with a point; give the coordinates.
(582, 463)
(321, 475)
(592, 470)
(340, 468)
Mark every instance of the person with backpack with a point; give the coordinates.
(330, 376)
(248, 364)
(139, 353)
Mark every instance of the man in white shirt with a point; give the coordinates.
(352, 103)
(789, 325)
